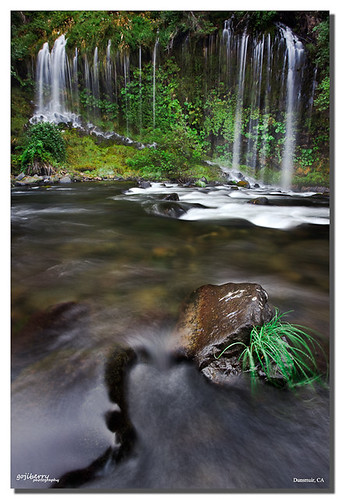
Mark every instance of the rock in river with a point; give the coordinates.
(212, 318)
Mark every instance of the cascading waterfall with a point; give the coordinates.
(262, 75)
(95, 74)
(140, 88)
(75, 86)
(42, 77)
(53, 76)
(265, 139)
(126, 66)
(108, 71)
(239, 105)
(226, 47)
(294, 54)
(255, 103)
(154, 60)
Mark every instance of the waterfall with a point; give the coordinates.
(53, 77)
(311, 102)
(75, 91)
(226, 45)
(154, 57)
(265, 124)
(108, 71)
(43, 78)
(253, 130)
(294, 58)
(239, 105)
(95, 74)
(87, 78)
(259, 77)
(140, 88)
(126, 66)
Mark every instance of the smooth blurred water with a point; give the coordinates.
(126, 271)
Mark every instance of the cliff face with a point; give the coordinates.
(241, 86)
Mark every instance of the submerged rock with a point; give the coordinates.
(262, 200)
(169, 209)
(171, 197)
(243, 183)
(212, 318)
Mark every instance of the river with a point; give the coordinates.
(95, 263)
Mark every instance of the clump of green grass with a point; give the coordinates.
(282, 353)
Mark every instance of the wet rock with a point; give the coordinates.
(171, 197)
(169, 209)
(262, 200)
(144, 184)
(120, 360)
(77, 478)
(243, 183)
(117, 367)
(20, 176)
(65, 180)
(213, 317)
(29, 180)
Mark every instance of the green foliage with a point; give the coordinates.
(321, 101)
(155, 163)
(44, 147)
(108, 109)
(321, 57)
(258, 20)
(219, 117)
(191, 120)
(281, 352)
(86, 154)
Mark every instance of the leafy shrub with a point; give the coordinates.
(155, 163)
(44, 146)
(281, 352)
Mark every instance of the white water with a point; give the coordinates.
(248, 66)
(95, 74)
(154, 60)
(140, 88)
(294, 54)
(266, 115)
(255, 103)
(53, 78)
(108, 70)
(225, 203)
(239, 106)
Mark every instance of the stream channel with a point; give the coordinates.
(98, 263)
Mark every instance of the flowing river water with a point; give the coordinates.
(99, 263)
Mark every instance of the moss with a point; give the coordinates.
(21, 111)
(84, 154)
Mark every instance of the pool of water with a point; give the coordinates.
(95, 263)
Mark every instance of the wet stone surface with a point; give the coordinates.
(214, 317)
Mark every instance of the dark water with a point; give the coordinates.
(109, 270)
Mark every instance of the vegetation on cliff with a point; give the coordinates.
(188, 126)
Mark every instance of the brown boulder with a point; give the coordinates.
(213, 317)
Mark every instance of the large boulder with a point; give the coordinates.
(214, 317)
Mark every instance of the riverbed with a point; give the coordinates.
(99, 263)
